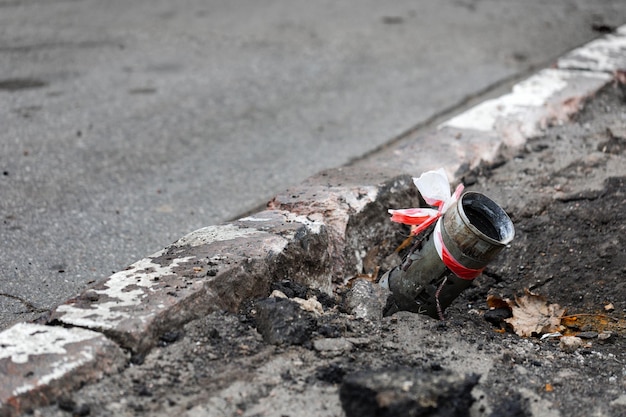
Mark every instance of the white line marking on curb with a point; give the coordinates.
(59, 369)
(210, 234)
(606, 54)
(313, 225)
(27, 339)
(533, 92)
(107, 315)
(365, 196)
(24, 339)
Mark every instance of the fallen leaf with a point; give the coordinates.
(549, 387)
(609, 307)
(406, 242)
(493, 301)
(570, 321)
(532, 315)
(373, 277)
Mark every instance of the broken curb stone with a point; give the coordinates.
(39, 364)
(213, 268)
(351, 205)
(407, 392)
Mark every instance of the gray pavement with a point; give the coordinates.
(128, 124)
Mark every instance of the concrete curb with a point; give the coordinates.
(318, 233)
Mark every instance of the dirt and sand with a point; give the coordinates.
(565, 192)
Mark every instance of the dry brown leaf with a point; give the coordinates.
(493, 301)
(533, 315)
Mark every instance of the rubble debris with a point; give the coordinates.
(366, 300)
(295, 290)
(404, 391)
(332, 346)
(570, 344)
(513, 406)
(615, 144)
(281, 321)
(311, 304)
(606, 336)
(587, 335)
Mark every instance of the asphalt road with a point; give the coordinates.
(126, 124)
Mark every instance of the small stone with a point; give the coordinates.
(406, 392)
(570, 344)
(366, 300)
(281, 321)
(337, 345)
(278, 294)
(310, 305)
(496, 316)
(588, 335)
(609, 307)
(605, 336)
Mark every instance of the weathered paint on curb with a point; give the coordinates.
(215, 267)
(124, 289)
(551, 96)
(38, 363)
(606, 54)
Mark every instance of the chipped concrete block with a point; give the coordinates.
(353, 205)
(40, 363)
(212, 268)
(606, 54)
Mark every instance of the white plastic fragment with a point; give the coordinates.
(550, 335)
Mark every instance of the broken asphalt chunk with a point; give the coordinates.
(281, 321)
(407, 392)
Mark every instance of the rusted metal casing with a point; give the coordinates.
(470, 234)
